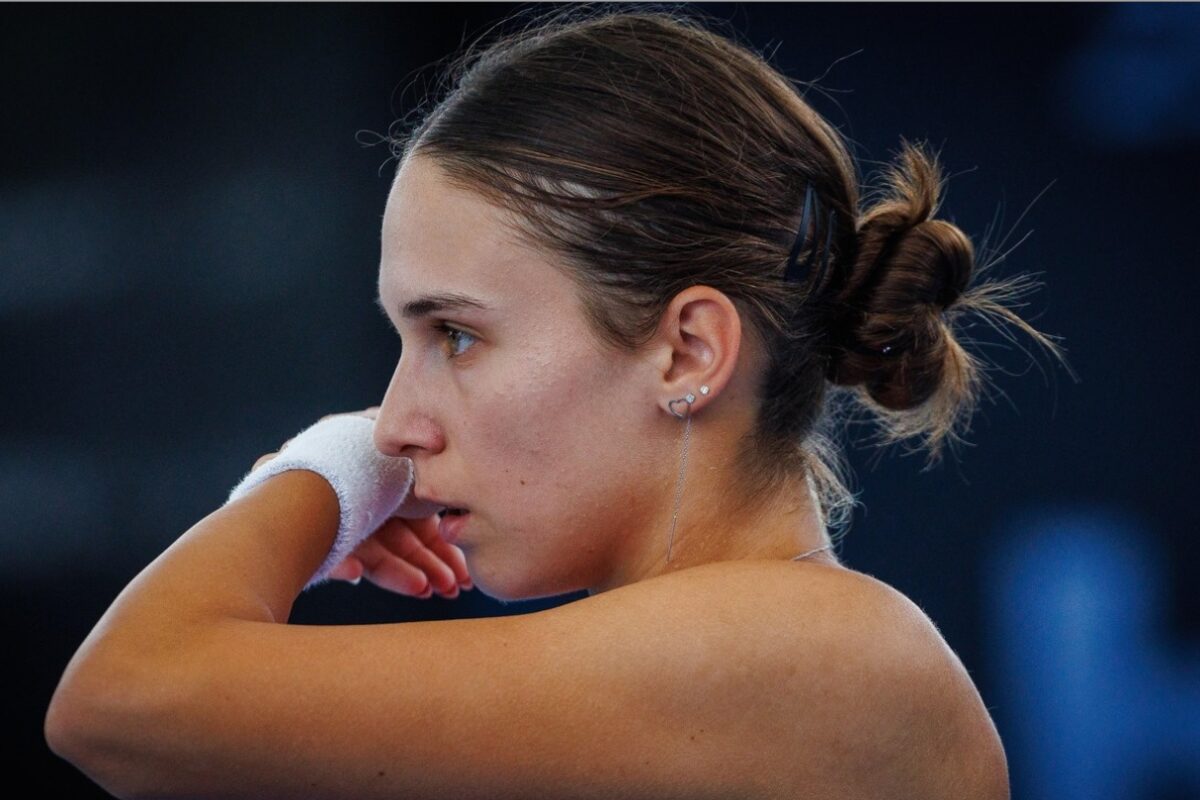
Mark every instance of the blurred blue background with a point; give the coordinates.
(189, 239)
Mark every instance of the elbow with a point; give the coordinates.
(72, 736)
(99, 725)
(58, 727)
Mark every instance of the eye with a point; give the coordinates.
(452, 332)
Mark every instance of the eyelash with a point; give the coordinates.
(450, 331)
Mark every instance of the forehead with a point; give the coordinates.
(437, 237)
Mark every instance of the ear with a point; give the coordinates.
(700, 336)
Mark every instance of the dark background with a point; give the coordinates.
(189, 241)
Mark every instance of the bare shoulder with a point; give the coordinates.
(895, 685)
(843, 682)
(939, 715)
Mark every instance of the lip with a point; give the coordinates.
(435, 502)
(431, 498)
(450, 526)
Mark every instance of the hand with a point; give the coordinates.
(406, 556)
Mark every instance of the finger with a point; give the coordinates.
(264, 459)
(350, 569)
(399, 536)
(451, 555)
(387, 570)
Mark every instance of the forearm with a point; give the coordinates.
(247, 560)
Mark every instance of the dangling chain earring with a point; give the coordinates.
(690, 398)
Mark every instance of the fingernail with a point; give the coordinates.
(468, 586)
(356, 581)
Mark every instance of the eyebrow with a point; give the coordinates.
(432, 303)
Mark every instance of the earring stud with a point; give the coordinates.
(688, 398)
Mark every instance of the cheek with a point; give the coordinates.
(536, 416)
(539, 434)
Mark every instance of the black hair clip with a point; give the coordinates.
(812, 207)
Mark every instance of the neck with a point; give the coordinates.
(716, 523)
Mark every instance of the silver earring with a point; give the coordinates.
(688, 398)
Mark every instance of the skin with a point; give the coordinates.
(191, 686)
(564, 452)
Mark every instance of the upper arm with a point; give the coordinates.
(683, 686)
(622, 694)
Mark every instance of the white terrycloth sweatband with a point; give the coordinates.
(370, 486)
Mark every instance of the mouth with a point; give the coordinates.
(433, 504)
(451, 522)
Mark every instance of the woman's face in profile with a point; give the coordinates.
(504, 400)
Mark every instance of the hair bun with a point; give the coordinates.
(950, 259)
(887, 333)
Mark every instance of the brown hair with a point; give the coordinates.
(651, 154)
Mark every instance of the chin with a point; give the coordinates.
(506, 592)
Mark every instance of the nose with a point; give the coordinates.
(402, 427)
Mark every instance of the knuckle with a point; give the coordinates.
(264, 459)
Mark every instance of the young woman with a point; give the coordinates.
(634, 284)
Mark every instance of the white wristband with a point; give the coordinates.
(370, 486)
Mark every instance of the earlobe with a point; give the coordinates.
(688, 398)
